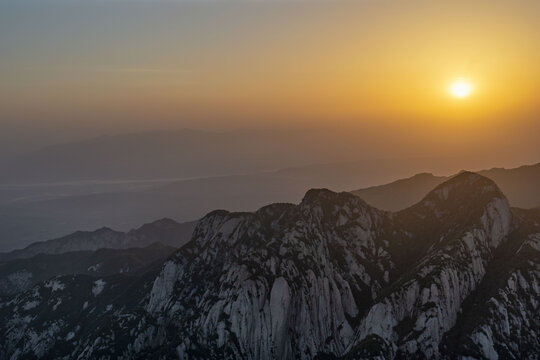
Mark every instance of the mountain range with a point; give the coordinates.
(37, 212)
(123, 180)
(165, 231)
(100, 252)
(453, 276)
(520, 185)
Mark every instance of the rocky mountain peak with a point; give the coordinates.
(460, 203)
(331, 277)
(466, 188)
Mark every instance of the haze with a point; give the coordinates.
(269, 179)
(75, 69)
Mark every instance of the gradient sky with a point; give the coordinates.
(77, 68)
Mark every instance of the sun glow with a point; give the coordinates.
(461, 88)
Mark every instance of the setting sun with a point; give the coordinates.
(274, 180)
(461, 88)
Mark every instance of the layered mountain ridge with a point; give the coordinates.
(100, 252)
(518, 184)
(329, 278)
(166, 231)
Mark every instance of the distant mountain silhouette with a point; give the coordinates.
(165, 231)
(520, 185)
(44, 211)
(24, 222)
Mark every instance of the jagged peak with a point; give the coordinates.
(317, 203)
(464, 198)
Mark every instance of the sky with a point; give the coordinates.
(71, 69)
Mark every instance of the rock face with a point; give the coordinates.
(291, 280)
(454, 276)
(466, 219)
(502, 318)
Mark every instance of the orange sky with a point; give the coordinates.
(382, 65)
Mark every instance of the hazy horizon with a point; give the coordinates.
(366, 70)
(269, 179)
(251, 102)
(314, 147)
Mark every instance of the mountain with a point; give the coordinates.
(502, 319)
(21, 274)
(164, 231)
(520, 185)
(454, 276)
(33, 212)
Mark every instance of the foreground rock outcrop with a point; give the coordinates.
(454, 276)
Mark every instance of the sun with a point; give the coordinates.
(461, 88)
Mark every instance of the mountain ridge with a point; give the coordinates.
(165, 231)
(321, 279)
(518, 184)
